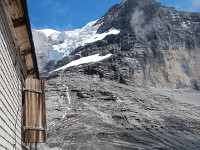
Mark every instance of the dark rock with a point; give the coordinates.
(49, 66)
(108, 98)
(196, 85)
(83, 95)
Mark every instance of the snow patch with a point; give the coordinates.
(84, 60)
(184, 25)
(48, 32)
(98, 37)
(175, 16)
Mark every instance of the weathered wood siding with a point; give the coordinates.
(35, 116)
(10, 89)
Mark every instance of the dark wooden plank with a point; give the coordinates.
(19, 22)
(37, 117)
(25, 113)
(24, 119)
(44, 111)
(39, 113)
(33, 112)
(36, 140)
(15, 9)
(27, 110)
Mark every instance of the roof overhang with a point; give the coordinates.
(18, 19)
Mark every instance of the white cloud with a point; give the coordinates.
(55, 6)
(196, 4)
(46, 2)
(186, 5)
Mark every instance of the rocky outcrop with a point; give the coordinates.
(157, 45)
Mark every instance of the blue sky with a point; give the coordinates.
(72, 14)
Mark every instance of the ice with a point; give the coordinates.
(63, 43)
(48, 32)
(184, 25)
(83, 60)
(98, 37)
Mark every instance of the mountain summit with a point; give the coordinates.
(120, 15)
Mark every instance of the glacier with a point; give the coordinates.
(52, 45)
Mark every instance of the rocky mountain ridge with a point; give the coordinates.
(157, 45)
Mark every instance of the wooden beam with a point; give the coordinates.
(15, 8)
(18, 22)
(26, 52)
(22, 37)
(29, 62)
(31, 72)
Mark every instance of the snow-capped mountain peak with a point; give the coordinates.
(60, 44)
(48, 32)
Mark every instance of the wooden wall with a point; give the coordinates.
(11, 82)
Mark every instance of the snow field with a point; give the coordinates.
(84, 60)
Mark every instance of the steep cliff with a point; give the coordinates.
(157, 45)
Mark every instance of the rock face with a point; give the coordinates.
(157, 45)
(144, 97)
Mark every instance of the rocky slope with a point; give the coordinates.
(145, 96)
(157, 45)
(86, 112)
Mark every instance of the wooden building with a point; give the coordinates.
(22, 94)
